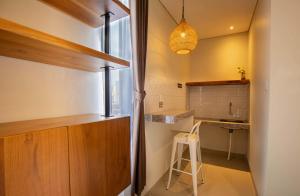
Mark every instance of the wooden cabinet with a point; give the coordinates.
(85, 156)
(35, 164)
(99, 163)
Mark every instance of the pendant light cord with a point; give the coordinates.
(182, 9)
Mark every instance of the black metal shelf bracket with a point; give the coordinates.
(107, 90)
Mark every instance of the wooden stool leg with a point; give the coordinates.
(172, 162)
(193, 155)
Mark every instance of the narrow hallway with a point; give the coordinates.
(226, 178)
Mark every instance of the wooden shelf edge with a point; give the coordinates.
(90, 12)
(22, 127)
(21, 42)
(217, 83)
(122, 6)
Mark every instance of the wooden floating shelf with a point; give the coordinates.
(217, 83)
(21, 42)
(90, 11)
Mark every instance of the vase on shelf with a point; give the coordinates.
(243, 76)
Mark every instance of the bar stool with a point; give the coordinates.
(191, 139)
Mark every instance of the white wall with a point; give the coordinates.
(275, 73)
(32, 90)
(164, 70)
(218, 58)
(283, 151)
(259, 63)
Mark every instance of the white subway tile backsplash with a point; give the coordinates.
(213, 101)
(162, 89)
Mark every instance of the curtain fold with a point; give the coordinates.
(139, 30)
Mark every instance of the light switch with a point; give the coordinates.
(160, 104)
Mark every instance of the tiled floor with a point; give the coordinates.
(218, 158)
(223, 178)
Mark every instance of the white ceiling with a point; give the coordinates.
(213, 18)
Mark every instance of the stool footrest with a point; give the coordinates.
(181, 159)
(187, 172)
(185, 159)
(182, 171)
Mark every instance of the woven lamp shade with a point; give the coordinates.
(183, 39)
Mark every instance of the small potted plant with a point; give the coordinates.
(242, 72)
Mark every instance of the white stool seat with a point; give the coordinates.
(186, 138)
(192, 140)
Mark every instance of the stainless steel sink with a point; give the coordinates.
(233, 120)
(229, 124)
(234, 124)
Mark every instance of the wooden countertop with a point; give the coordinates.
(21, 127)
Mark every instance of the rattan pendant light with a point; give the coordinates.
(184, 38)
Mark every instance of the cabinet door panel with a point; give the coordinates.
(118, 155)
(36, 163)
(87, 159)
(100, 158)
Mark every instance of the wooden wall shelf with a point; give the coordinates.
(21, 42)
(216, 83)
(90, 11)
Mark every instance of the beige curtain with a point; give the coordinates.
(139, 28)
